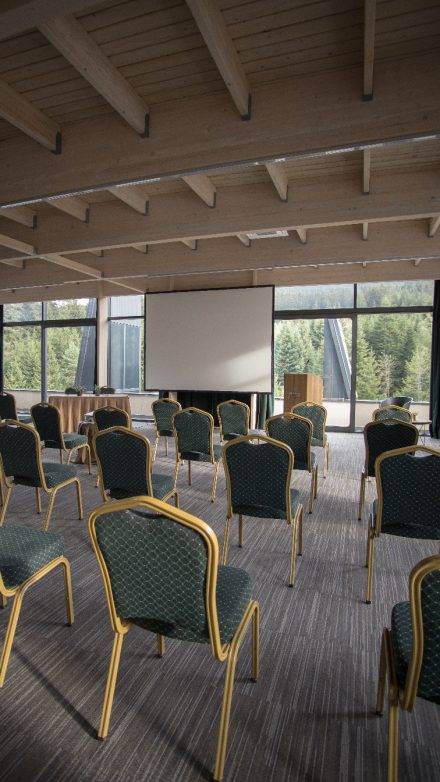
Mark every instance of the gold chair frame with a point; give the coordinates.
(222, 652)
(397, 697)
(158, 436)
(312, 470)
(68, 451)
(364, 474)
(326, 447)
(211, 447)
(51, 492)
(375, 525)
(18, 594)
(238, 403)
(295, 522)
(149, 464)
(376, 413)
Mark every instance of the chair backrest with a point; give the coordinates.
(161, 567)
(8, 408)
(317, 414)
(408, 492)
(296, 432)
(124, 461)
(108, 390)
(423, 674)
(20, 452)
(194, 432)
(392, 411)
(258, 474)
(107, 417)
(234, 418)
(400, 401)
(47, 422)
(163, 412)
(381, 436)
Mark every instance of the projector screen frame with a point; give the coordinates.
(207, 290)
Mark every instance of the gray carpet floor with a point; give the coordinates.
(309, 717)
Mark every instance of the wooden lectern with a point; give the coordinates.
(301, 387)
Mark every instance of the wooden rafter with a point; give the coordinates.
(366, 171)
(215, 33)
(302, 234)
(70, 38)
(19, 111)
(434, 223)
(191, 243)
(24, 15)
(68, 263)
(369, 35)
(278, 175)
(15, 244)
(365, 231)
(203, 187)
(20, 214)
(73, 206)
(134, 197)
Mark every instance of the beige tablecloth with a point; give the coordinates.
(73, 408)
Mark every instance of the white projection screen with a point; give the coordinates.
(213, 340)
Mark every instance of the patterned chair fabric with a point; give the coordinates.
(401, 635)
(258, 476)
(400, 401)
(317, 414)
(24, 551)
(163, 411)
(55, 473)
(296, 432)
(8, 410)
(381, 436)
(47, 423)
(126, 468)
(194, 430)
(398, 413)
(410, 489)
(20, 456)
(106, 417)
(234, 419)
(158, 569)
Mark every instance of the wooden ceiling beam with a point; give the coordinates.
(68, 263)
(21, 113)
(15, 244)
(216, 35)
(20, 214)
(366, 171)
(244, 239)
(23, 15)
(73, 206)
(98, 253)
(369, 36)
(134, 197)
(365, 231)
(302, 234)
(68, 36)
(434, 223)
(203, 187)
(278, 175)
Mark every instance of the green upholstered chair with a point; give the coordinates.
(381, 436)
(8, 408)
(194, 436)
(161, 572)
(400, 401)
(108, 416)
(163, 413)
(408, 498)
(124, 467)
(234, 419)
(296, 432)
(26, 556)
(258, 481)
(47, 422)
(410, 653)
(392, 411)
(21, 464)
(317, 414)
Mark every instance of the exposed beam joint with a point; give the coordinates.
(124, 285)
(73, 206)
(98, 253)
(68, 263)
(215, 33)
(278, 175)
(302, 234)
(433, 226)
(366, 171)
(365, 231)
(191, 243)
(20, 214)
(369, 35)
(203, 187)
(14, 244)
(244, 239)
(79, 48)
(417, 261)
(21, 113)
(133, 197)
(142, 248)
(23, 15)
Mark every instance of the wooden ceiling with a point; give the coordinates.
(180, 127)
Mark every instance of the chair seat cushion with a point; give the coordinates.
(165, 432)
(23, 551)
(297, 465)
(231, 435)
(58, 473)
(318, 442)
(162, 485)
(410, 529)
(197, 456)
(267, 512)
(73, 440)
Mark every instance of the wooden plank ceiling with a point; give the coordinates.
(145, 145)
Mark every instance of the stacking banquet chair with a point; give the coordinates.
(381, 436)
(161, 572)
(26, 556)
(296, 432)
(124, 467)
(47, 422)
(163, 412)
(408, 499)
(234, 419)
(8, 408)
(258, 474)
(409, 657)
(400, 401)
(21, 464)
(194, 434)
(392, 411)
(317, 414)
(107, 417)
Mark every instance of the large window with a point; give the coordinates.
(126, 343)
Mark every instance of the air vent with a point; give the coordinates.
(267, 234)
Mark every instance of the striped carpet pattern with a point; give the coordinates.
(309, 717)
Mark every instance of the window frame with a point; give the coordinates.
(142, 318)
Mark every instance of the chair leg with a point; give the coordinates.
(214, 481)
(361, 497)
(226, 541)
(68, 591)
(189, 472)
(2, 492)
(61, 456)
(5, 504)
(256, 643)
(160, 641)
(155, 448)
(38, 499)
(393, 738)
(166, 446)
(300, 532)
(110, 685)
(327, 455)
(240, 531)
(69, 455)
(382, 676)
(10, 633)
(89, 457)
(292, 573)
(315, 492)
(3, 600)
(176, 499)
(370, 555)
(79, 499)
(49, 510)
(312, 490)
